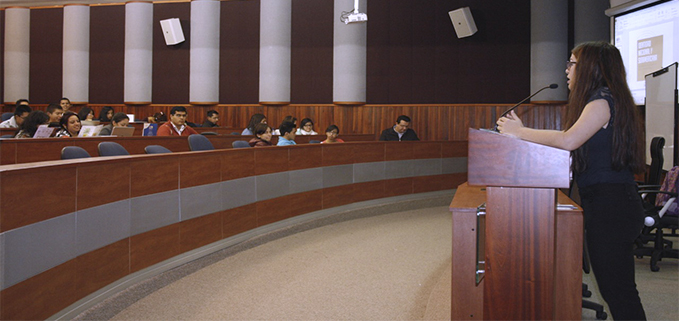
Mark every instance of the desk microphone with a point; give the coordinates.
(552, 86)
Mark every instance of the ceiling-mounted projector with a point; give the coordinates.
(353, 16)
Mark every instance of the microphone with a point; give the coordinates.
(552, 86)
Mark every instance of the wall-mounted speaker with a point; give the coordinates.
(172, 30)
(463, 22)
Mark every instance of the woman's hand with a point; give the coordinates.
(509, 124)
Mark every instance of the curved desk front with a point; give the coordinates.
(70, 228)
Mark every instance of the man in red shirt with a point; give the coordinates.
(177, 124)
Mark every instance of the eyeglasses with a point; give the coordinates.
(570, 64)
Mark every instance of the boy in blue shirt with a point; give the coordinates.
(287, 136)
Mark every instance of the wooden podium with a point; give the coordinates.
(533, 252)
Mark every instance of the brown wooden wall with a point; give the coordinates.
(413, 54)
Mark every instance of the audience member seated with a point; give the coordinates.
(262, 136)
(86, 113)
(254, 120)
(288, 119)
(157, 118)
(106, 114)
(31, 124)
(20, 113)
(400, 131)
(65, 104)
(287, 137)
(22, 101)
(70, 125)
(306, 128)
(177, 124)
(331, 134)
(55, 112)
(118, 120)
(212, 119)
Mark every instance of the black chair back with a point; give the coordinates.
(199, 142)
(73, 152)
(657, 160)
(111, 149)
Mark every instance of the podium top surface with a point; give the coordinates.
(501, 160)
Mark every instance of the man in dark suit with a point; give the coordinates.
(400, 131)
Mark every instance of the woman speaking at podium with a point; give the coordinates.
(605, 137)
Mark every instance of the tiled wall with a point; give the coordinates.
(70, 228)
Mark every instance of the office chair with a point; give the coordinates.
(661, 214)
(235, 133)
(314, 141)
(240, 144)
(208, 133)
(655, 170)
(73, 152)
(111, 149)
(199, 142)
(7, 136)
(6, 116)
(156, 149)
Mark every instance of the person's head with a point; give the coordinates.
(86, 113)
(20, 113)
(120, 120)
(213, 116)
(290, 119)
(307, 124)
(22, 101)
(159, 117)
(263, 132)
(55, 112)
(71, 123)
(287, 130)
(106, 113)
(402, 124)
(65, 103)
(593, 65)
(256, 119)
(33, 120)
(178, 115)
(332, 132)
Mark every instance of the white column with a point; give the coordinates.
(17, 49)
(549, 48)
(204, 61)
(138, 52)
(76, 55)
(274, 51)
(349, 56)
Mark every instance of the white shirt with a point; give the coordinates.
(10, 123)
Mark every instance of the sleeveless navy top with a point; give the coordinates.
(598, 152)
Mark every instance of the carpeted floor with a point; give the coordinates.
(385, 267)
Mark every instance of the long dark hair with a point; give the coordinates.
(103, 115)
(599, 64)
(33, 121)
(254, 120)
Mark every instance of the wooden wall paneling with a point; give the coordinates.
(311, 52)
(425, 150)
(199, 168)
(398, 186)
(100, 184)
(171, 63)
(338, 196)
(239, 220)
(36, 150)
(271, 160)
(24, 191)
(304, 156)
(101, 267)
(399, 150)
(42, 295)
(303, 203)
(273, 210)
(338, 154)
(154, 174)
(45, 82)
(367, 152)
(239, 54)
(238, 163)
(8, 150)
(107, 54)
(200, 231)
(371, 190)
(154, 246)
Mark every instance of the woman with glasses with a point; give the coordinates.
(306, 128)
(606, 141)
